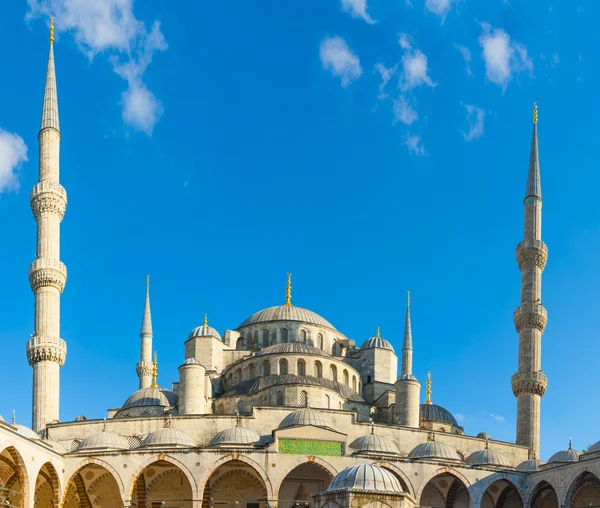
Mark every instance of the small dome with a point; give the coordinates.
(104, 440)
(434, 450)
(168, 437)
(286, 313)
(305, 416)
(378, 342)
(487, 457)
(483, 435)
(235, 436)
(151, 396)
(204, 331)
(594, 448)
(81, 418)
(291, 347)
(56, 446)
(374, 443)
(530, 466)
(437, 414)
(25, 431)
(366, 477)
(564, 456)
(191, 361)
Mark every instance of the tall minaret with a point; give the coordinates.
(529, 383)
(46, 351)
(408, 389)
(145, 365)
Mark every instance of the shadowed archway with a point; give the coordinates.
(544, 496)
(47, 487)
(300, 483)
(445, 491)
(92, 485)
(501, 494)
(13, 480)
(235, 484)
(162, 482)
(584, 491)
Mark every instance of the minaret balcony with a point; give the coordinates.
(530, 316)
(532, 253)
(46, 349)
(534, 382)
(48, 196)
(47, 272)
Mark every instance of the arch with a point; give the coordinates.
(94, 482)
(266, 368)
(255, 339)
(265, 337)
(320, 342)
(47, 487)
(279, 398)
(401, 475)
(164, 478)
(303, 398)
(301, 367)
(440, 483)
(251, 372)
(354, 383)
(302, 460)
(543, 496)
(318, 369)
(301, 482)
(283, 367)
(328, 401)
(239, 344)
(17, 482)
(346, 378)
(303, 336)
(501, 493)
(583, 491)
(284, 334)
(333, 372)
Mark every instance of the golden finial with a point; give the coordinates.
(288, 291)
(408, 298)
(154, 371)
(378, 333)
(428, 389)
(51, 28)
(535, 112)
(205, 319)
(147, 281)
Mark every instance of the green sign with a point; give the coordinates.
(308, 447)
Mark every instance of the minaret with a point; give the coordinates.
(46, 351)
(144, 366)
(407, 386)
(529, 383)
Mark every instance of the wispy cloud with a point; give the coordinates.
(357, 9)
(13, 153)
(439, 7)
(414, 144)
(386, 73)
(337, 58)
(415, 70)
(109, 27)
(475, 118)
(404, 111)
(498, 418)
(459, 417)
(503, 57)
(466, 54)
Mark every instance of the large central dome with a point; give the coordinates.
(286, 313)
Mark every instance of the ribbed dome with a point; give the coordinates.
(291, 347)
(25, 431)
(564, 456)
(487, 457)
(594, 448)
(374, 443)
(377, 342)
(483, 435)
(435, 413)
(204, 331)
(235, 436)
(530, 466)
(168, 437)
(104, 441)
(434, 450)
(286, 313)
(151, 397)
(305, 416)
(366, 477)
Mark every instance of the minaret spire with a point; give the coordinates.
(144, 366)
(46, 351)
(407, 349)
(529, 383)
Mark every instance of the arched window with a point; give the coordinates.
(239, 345)
(333, 349)
(265, 341)
(328, 401)
(279, 399)
(266, 368)
(303, 336)
(333, 373)
(318, 369)
(238, 376)
(346, 378)
(354, 383)
(284, 335)
(320, 343)
(283, 367)
(255, 340)
(303, 398)
(251, 372)
(301, 368)
(342, 349)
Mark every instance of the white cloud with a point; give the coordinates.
(414, 144)
(439, 7)
(337, 58)
(386, 73)
(475, 117)
(357, 9)
(502, 57)
(110, 27)
(466, 54)
(498, 418)
(404, 111)
(13, 153)
(459, 417)
(414, 66)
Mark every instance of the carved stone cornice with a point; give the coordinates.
(529, 382)
(144, 369)
(46, 349)
(530, 316)
(48, 196)
(47, 272)
(531, 254)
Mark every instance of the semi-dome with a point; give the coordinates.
(25, 431)
(104, 441)
(530, 466)
(204, 331)
(375, 444)
(487, 457)
(168, 437)
(564, 456)
(291, 347)
(305, 416)
(377, 342)
(366, 477)
(434, 450)
(437, 414)
(235, 436)
(286, 313)
(151, 396)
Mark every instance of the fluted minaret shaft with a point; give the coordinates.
(144, 366)
(529, 383)
(407, 350)
(46, 351)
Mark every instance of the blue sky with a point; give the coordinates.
(368, 148)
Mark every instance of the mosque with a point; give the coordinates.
(281, 411)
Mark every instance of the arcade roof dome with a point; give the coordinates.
(168, 437)
(374, 443)
(286, 313)
(235, 435)
(104, 440)
(487, 457)
(530, 466)
(366, 477)
(25, 431)
(568, 455)
(305, 416)
(434, 450)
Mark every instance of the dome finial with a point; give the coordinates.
(378, 333)
(51, 28)
(14, 417)
(570, 443)
(104, 426)
(535, 112)
(428, 389)
(288, 291)
(154, 371)
(205, 320)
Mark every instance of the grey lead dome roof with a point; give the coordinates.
(530, 466)
(435, 413)
(434, 450)
(377, 342)
(204, 331)
(287, 313)
(305, 416)
(168, 437)
(374, 443)
(291, 347)
(104, 440)
(487, 457)
(235, 436)
(25, 431)
(366, 477)
(568, 455)
(151, 397)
